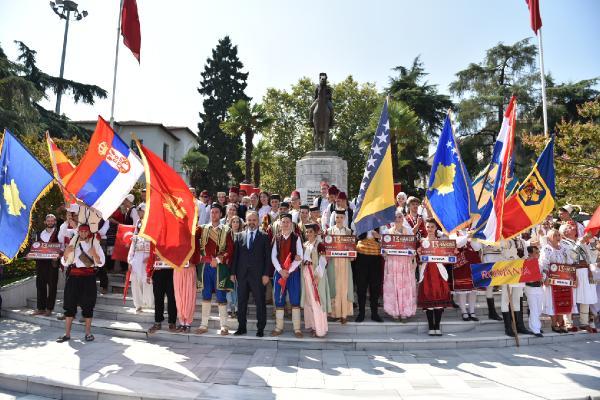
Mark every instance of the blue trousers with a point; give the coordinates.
(209, 280)
(292, 289)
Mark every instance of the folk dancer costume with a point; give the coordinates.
(468, 253)
(490, 254)
(573, 258)
(434, 292)
(585, 292)
(287, 248)
(535, 302)
(214, 245)
(80, 287)
(46, 280)
(162, 285)
(549, 256)
(339, 277)
(137, 258)
(316, 298)
(399, 284)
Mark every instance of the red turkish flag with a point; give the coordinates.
(130, 27)
(122, 242)
(171, 211)
(534, 14)
(593, 225)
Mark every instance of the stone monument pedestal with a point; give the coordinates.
(317, 166)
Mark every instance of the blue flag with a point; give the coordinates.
(450, 190)
(375, 202)
(23, 182)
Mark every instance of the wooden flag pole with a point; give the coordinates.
(114, 87)
(513, 323)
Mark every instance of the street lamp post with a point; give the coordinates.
(64, 8)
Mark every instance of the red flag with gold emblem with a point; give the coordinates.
(171, 212)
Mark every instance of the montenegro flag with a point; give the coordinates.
(534, 198)
(171, 212)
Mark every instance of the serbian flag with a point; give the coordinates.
(171, 211)
(106, 173)
(593, 225)
(130, 27)
(505, 272)
(122, 242)
(62, 167)
(534, 14)
(492, 231)
(533, 199)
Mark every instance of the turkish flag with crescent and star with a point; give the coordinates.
(122, 242)
(171, 212)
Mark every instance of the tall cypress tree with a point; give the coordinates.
(223, 83)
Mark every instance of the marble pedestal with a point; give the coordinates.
(317, 166)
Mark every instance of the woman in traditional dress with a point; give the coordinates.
(236, 225)
(339, 275)
(315, 299)
(462, 283)
(434, 292)
(399, 285)
(184, 285)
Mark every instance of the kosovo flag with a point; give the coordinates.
(24, 181)
(450, 191)
(375, 202)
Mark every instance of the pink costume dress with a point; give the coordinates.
(399, 283)
(184, 283)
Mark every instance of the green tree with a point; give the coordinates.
(576, 157)
(246, 120)
(223, 83)
(194, 162)
(23, 85)
(421, 97)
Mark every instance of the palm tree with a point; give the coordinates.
(242, 118)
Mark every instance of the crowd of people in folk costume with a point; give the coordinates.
(273, 248)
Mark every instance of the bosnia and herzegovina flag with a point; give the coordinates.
(171, 211)
(505, 272)
(450, 191)
(107, 171)
(375, 202)
(62, 167)
(534, 198)
(23, 182)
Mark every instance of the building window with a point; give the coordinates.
(134, 147)
(165, 152)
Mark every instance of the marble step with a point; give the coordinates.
(334, 340)
(415, 325)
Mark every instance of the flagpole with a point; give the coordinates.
(114, 88)
(543, 79)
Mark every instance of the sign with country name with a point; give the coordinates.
(438, 251)
(340, 245)
(562, 275)
(399, 245)
(44, 251)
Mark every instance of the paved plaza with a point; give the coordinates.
(113, 367)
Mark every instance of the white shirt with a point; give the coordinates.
(319, 269)
(295, 263)
(324, 203)
(65, 233)
(86, 245)
(45, 235)
(262, 211)
(203, 213)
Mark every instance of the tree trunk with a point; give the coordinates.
(249, 147)
(256, 173)
(394, 149)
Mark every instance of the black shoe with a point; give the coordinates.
(240, 332)
(492, 314)
(465, 317)
(472, 317)
(63, 339)
(260, 333)
(508, 324)
(538, 335)
(520, 324)
(376, 318)
(360, 318)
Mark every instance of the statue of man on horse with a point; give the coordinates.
(321, 113)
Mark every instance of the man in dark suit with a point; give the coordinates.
(251, 261)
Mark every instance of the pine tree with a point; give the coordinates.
(223, 83)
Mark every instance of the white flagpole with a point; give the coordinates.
(114, 88)
(543, 78)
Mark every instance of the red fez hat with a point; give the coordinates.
(234, 189)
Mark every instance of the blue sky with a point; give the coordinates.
(281, 41)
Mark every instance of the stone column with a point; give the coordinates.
(317, 166)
